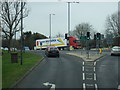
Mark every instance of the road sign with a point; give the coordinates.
(83, 38)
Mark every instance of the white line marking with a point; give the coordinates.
(94, 76)
(52, 85)
(83, 63)
(84, 86)
(94, 63)
(83, 68)
(119, 87)
(83, 76)
(96, 88)
(94, 69)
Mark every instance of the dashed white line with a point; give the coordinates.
(83, 63)
(94, 69)
(96, 87)
(84, 86)
(94, 76)
(83, 68)
(83, 76)
(94, 63)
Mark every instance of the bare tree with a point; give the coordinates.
(59, 35)
(11, 17)
(112, 25)
(82, 29)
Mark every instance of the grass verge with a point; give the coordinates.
(12, 72)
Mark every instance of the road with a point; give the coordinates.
(72, 72)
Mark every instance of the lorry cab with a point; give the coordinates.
(74, 42)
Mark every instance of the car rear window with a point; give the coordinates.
(116, 47)
(53, 48)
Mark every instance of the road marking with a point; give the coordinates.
(94, 63)
(83, 76)
(83, 68)
(84, 86)
(83, 63)
(96, 88)
(52, 85)
(94, 69)
(89, 78)
(90, 85)
(94, 76)
(119, 87)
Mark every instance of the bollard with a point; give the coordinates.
(100, 51)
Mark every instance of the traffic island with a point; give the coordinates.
(85, 57)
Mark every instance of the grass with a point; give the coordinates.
(11, 72)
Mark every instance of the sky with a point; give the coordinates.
(94, 13)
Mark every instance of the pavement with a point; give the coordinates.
(87, 57)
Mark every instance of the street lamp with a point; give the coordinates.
(69, 18)
(50, 16)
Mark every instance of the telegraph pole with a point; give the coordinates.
(21, 33)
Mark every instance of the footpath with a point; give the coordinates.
(85, 57)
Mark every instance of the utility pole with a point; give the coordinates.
(50, 16)
(69, 21)
(21, 33)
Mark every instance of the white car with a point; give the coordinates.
(115, 50)
(2, 48)
(5, 48)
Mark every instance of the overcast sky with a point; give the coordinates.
(94, 13)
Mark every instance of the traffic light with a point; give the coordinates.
(88, 35)
(94, 36)
(98, 37)
(66, 36)
(102, 36)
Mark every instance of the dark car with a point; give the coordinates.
(52, 51)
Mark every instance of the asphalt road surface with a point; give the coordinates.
(72, 72)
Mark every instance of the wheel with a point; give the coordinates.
(58, 56)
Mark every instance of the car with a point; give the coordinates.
(13, 49)
(5, 48)
(26, 48)
(2, 48)
(115, 50)
(52, 51)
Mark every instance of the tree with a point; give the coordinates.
(59, 35)
(81, 30)
(112, 25)
(39, 36)
(29, 38)
(11, 17)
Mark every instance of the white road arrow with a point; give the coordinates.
(52, 85)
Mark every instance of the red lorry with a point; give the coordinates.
(74, 42)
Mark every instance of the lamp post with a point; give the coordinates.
(69, 18)
(50, 19)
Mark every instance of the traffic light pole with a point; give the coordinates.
(87, 49)
(88, 37)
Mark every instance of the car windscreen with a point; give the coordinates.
(53, 48)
